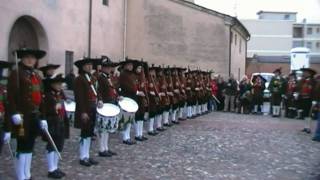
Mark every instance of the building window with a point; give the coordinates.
(235, 39)
(240, 45)
(318, 45)
(105, 2)
(286, 17)
(309, 30)
(297, 32)
(69, 62)
(309, 45)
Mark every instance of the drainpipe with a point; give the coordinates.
(230, 47)
(90, 28)
(125, 29)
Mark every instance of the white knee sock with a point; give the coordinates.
(102, 142)
(88, 144)
(51, 161)
(56, 160)
(158, 121)
(20, 163)
(137, 128)
(128, 130)
(27, 168)
(106, 142)
(307, 123)
(151, 124)
(141, 128)
(82, 148)
(174, 115)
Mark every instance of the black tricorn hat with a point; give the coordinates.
(84, 61)
(5, 64)
(127, 61)
(49, 66)
(106, 62)
(256, 76)
(54, 79)
(37, 53)
(311, 71)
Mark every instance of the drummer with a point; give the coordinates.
(58, 125)
(128, 88)
(86, 97)
(142, 100)
(109, 95)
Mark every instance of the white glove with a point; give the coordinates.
(43, 125)
(314, 103)
(7, 137)
(100, 104)
(152, 93)
(16, 119)
(140, 93)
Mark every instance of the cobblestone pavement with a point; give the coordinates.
(214, 146)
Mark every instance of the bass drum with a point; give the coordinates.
(128, 109)
(107, 118)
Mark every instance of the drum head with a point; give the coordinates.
(128, 105)
(108, 110)
(70, 106)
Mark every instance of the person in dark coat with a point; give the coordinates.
(109, 94)
(305, 89)
(58, 125)
(290, 93)
(128, 84)
(87, 99)
(230, 92)
(258, 87)
(24, 100)
(276, 88)
(245, 96)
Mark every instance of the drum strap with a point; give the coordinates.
(91, 85)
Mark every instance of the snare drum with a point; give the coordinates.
(128, 109)
(107, 118)
(70, 107)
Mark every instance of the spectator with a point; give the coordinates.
(230, 92)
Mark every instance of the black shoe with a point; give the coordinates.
(167, 125)
(308, 131)
(175, 122)
(144, 138)
(152, 133)
(104, 154)
(54, 175)
(161, 129)
(93, 162)
(61, 172)
(182, 119)
(138, 138)
(129, 142)
(316, 139)
(112, 153)
(85, 162)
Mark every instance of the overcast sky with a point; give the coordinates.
(247, 9)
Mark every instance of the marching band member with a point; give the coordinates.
(162, 96)
(276, 88)
(143, 101)
(257, 92)
(58, 124)
(128, 84)
(165, 99)
(86, 98)
(290, 92)
(109, 94)
(305, 90)
(183, 97)
(154, 100)
(174, 89)
(49, 70)
(24, 100)
(189, 93)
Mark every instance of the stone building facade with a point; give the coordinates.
(174, 32)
